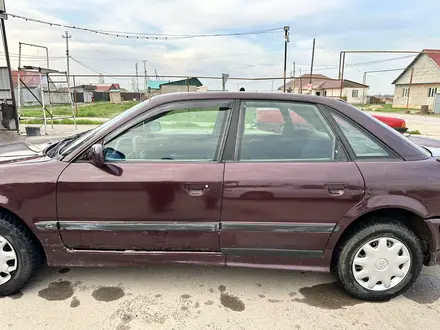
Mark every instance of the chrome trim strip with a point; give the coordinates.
(272, 252)
(277, 227)
(46, 225)
(131, 226)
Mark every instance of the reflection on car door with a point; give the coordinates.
(285, 191)
(168, 196)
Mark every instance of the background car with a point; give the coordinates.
(271, 120)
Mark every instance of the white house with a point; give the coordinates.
(421, 88)
(322, 85)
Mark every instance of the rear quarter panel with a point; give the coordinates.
(407, 185)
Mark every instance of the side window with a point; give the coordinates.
(187, 134)
(363, 145)
(286, 131)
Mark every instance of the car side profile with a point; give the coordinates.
(189, 178)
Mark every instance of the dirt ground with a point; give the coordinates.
(187, 297)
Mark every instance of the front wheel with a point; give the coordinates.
(19, 255)
(379, 261)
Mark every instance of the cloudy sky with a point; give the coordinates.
(337, 25)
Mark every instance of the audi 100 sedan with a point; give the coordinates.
(188, 178)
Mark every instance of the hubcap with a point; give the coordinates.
(381, 264)
(8, 260)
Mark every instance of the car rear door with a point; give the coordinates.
(285, 192)
(161, 188)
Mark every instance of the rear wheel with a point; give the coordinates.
(379, 261)
(19, 255)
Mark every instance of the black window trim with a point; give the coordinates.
(392, 155)
(240, 113)
(156, 112)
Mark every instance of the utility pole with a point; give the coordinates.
(137, 78)
(145, 75)
(286, 41)
(67, 37)
(294, 69)
(3, 17)
(313, 59)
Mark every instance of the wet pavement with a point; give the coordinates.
(187, 297)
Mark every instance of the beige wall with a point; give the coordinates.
(425, 72)
(418, 96)
(348, 93)
(166, 89)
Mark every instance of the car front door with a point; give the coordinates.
(285, 190)
(161, 187)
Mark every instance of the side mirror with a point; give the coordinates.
(96, 155)
(153, 127)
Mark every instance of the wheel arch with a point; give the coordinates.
(20, 222)
(412, 220)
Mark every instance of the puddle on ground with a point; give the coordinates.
(326, 296)
(292, 294)
(232, 302)
(211, 290)
(57, 291)
(197, 305)
(222, 288)
(126, 318)
(108, 293)
(261, 296)
(16, 295)
(185, 296)
(209, 303)
(274, 300)
(64, 270)
(184, 308)
(123, 327)
(259, 285)
(75, 302)
(426, 290)
(158, 295)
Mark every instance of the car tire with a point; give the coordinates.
(16, 239)
(382, 261)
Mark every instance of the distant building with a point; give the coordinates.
(425, 83)
(154, 85)
(107, 88)
(184, 85)
(322, 85)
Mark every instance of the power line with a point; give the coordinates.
(88, 67)
(142, 35)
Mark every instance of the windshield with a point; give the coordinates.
(82, 138)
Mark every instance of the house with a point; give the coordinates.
(154, 85)
(322, 85)
(30, 85)
(425, 82)
(107, 88)
(184, 85)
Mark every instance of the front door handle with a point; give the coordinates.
(336, 189)
(195, 189)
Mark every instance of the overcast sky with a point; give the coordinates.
(337, 25)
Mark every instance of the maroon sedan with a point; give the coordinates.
(188, 178)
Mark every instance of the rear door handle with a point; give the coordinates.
(336, 189)
(195, 189)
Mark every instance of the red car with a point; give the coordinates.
(185, 178)
(270, 120)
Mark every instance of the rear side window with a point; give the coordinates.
(286, 131)
(362, 144)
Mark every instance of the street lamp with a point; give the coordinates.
(286, 40)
